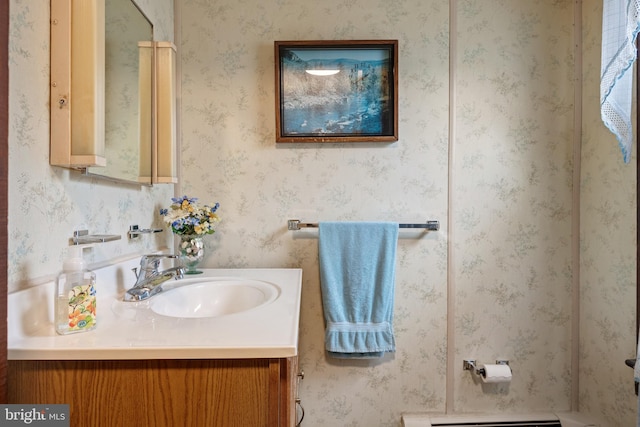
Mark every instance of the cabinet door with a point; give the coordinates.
(154, 393)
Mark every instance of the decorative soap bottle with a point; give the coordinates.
(75, 309)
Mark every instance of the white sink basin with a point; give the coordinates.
(213, 298)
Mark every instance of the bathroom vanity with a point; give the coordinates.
(219, 392)
(142, 368)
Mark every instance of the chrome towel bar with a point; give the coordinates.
(296, 224)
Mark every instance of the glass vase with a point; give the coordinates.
(191, 252)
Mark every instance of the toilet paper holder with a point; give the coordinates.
(470, 365)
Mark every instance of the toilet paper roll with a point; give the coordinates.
(496, 373)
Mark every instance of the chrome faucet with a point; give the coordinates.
(149, 279)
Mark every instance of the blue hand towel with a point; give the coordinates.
(357, 279)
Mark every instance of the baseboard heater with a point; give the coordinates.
(502, 424)
(530, 420)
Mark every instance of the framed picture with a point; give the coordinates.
(336, 91)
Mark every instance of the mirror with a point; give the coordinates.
(125, 27)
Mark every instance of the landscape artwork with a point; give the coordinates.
(340, 91)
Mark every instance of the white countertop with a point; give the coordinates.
(130, 330)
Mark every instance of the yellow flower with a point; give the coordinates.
(186, 217)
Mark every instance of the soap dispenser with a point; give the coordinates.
(75, 309)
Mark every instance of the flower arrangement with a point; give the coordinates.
(186, 217)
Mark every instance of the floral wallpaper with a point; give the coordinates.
(608, 252)
(46, 203)
(507, 270)
(512, 202)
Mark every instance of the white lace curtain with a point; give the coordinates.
(620, 25)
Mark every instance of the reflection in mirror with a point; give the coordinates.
(126, 26)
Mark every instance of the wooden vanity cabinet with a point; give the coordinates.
(156, 393)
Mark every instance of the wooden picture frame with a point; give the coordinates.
(336, 91)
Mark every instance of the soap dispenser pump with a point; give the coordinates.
(75, 309)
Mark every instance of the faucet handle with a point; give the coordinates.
(151, 262)
(160, 256)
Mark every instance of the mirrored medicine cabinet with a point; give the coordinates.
(112, 93)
